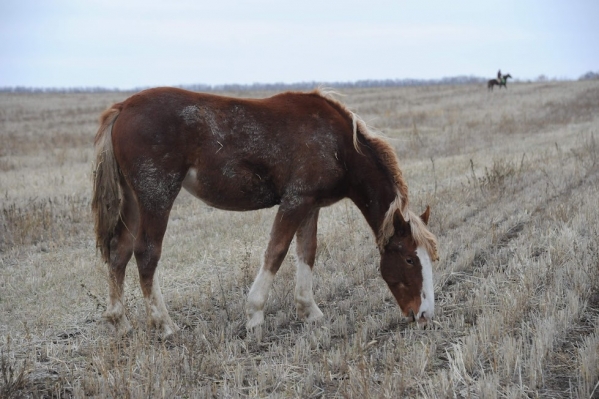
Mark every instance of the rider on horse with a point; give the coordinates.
(500, 81)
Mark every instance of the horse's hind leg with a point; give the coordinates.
(306, 254)
(148, 247)
(121, 249)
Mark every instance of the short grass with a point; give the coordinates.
(512, 177)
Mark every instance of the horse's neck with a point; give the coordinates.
(372, 190)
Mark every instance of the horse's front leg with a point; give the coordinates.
(284, 227)
(306, 254)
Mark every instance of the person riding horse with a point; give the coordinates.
(500, 81)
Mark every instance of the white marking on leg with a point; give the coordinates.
(427, 307)
(115, 311)
(257, 297)
(304, 297)
(157, 312)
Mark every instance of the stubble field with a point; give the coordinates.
(512, 178)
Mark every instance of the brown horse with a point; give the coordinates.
(301, 151)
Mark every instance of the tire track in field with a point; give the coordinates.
(560, 372)
(459, 281)
(513, 232)
(560, 377)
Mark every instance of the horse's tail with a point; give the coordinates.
(107, 196)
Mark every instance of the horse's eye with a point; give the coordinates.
(410, 261)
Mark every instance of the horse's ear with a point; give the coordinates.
(426, 214)
(398, 221)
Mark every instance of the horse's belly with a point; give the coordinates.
(237, 192)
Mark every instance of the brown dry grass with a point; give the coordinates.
(513, 180)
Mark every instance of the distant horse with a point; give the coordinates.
(301, 151)
(497, 82)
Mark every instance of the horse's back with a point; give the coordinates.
(162, 113)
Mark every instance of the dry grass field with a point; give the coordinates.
(512, 178)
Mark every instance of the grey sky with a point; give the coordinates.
(126, 44)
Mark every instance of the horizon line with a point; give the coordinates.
(362, 83)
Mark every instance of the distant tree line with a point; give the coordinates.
(589, 76)
(369, 83)
(24, 89)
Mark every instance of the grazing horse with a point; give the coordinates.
(300, 151)
(498, 82)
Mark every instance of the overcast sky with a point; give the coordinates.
(127, 44)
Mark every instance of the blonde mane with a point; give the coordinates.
(388, 158)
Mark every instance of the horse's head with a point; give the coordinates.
(406, 266)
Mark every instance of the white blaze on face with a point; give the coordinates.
(427, 307)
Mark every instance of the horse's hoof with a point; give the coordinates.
(169, 330)
(124, 331)
(315, 315)
(309, 313)
(121, 324)
(255, 320)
